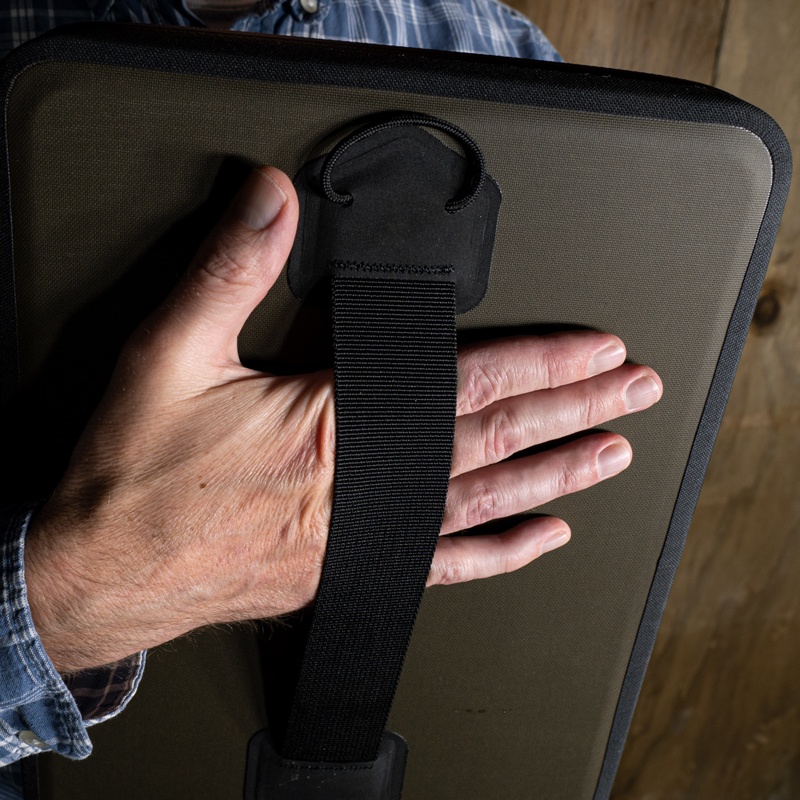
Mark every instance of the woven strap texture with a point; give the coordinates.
(395, 377)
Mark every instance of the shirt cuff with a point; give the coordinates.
(39, 710)
(102, 692)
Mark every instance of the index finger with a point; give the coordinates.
(491, 371)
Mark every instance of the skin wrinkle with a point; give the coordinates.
(481, 505)
(481, 387)
(557, 370)
(558, 365)
(500, 434)
(513, 424)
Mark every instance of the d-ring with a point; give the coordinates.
(395, 119)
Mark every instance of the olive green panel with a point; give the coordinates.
(640, 227)
(185, 732)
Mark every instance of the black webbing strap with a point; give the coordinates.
(395, 376)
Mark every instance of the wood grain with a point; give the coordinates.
(719, 714)
(669, 37)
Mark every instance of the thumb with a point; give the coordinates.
(233, 269)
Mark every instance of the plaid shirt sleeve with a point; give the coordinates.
(467, 26)
(39, 709)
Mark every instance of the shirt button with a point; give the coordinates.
(310, 6)
(29, 737)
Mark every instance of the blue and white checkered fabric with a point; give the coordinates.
(468, 26)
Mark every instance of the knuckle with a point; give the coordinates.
(556, 368)
(500, 434)
(314, 517)
(326, 434)
(592, 411)
(227, 267)
(452, 571)
(482, 505)
(568, 479)
(482, 386)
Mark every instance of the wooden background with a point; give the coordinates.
(719, 713)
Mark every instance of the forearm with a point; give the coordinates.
(60, 599)
(39, 708)
(36, 708)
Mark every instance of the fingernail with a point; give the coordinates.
(612, 459)
(641, 394)
(259, 200)
(555, 540)
(608, 358)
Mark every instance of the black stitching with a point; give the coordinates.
(336, 768)
(413, 269)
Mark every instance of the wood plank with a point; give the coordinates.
(719, 715)
(679, 38)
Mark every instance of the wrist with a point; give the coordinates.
(60, 600)
(87, 612)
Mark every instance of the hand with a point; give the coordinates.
(201, 491)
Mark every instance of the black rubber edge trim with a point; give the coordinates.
(267, 57)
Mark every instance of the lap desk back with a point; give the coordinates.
(634, 204)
